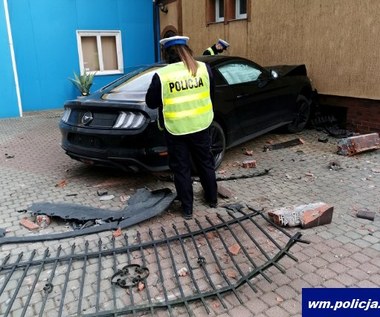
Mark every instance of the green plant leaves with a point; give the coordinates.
(83, 82)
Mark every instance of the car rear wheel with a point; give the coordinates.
(302, 115)
(218, 143)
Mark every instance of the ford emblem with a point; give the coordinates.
(87, 118)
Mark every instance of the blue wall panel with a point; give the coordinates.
(8, 100)
(44, 33)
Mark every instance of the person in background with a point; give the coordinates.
(183, 92)
(217, 48)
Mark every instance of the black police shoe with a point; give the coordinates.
(188, 216)
(213, 204)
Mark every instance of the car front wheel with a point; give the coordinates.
(218, 143)
(302, 115)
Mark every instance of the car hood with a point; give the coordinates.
(289, 70)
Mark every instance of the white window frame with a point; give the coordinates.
(237, 10)
(99, 34)
(218, 18)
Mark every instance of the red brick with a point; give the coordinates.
(359, 143)
(306, 216)
(234, 249)
(320, 215)
(25, 222)
(224, 192)
(249, 164)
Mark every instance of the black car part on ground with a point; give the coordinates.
(165, 269)
(331, 126)
(143, 205)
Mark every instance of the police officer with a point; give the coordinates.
(217, 48)
(183, 92)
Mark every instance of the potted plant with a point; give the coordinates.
(83, 82)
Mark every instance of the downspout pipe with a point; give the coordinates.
(13, 58)
(156, 29)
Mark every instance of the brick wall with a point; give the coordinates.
(362, 115)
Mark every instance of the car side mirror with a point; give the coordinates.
(273, 74)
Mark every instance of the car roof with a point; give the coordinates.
(217, 59)
(208, 59)
(212, 60)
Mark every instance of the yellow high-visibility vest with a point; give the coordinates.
(187, 106)
(211, 51)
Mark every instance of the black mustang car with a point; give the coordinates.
(114, 127)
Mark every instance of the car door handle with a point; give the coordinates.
(242, 96)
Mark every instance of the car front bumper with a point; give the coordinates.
(116, 148)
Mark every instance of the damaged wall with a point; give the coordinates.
(336, 39)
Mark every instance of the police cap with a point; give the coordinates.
(224, 43)
(174, 40)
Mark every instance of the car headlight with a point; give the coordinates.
(66, 115)
(129, 120)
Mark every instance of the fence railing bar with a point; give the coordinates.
(261, 249)
(138, 236)
(49, 282)
(114, 269)
(277, 257)
(285, 251)
(5, 260)
(204, 268)
(82, 278)
(220, 267)
(36, 279)
(129, 261)
(11, 273)
(245, 251)
(271, 238)
(20, 281)
(160, 273)
(193, 280)
(62, 301)
(97, 305)
(243, 276)
(174, 266)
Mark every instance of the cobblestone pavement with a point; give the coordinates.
(345, 253)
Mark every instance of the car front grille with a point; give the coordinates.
(85, 140)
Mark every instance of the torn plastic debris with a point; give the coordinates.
(143, 205)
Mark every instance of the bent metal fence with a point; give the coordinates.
(167, 270)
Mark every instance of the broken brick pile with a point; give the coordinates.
(306, 216)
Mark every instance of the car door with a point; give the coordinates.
(257, 102)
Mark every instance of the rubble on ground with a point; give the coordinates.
(306, 216)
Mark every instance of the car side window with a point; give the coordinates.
(237, 73)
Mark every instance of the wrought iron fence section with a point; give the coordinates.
(169, 269)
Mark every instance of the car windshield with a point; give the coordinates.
(134, 87)
(237, 73)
